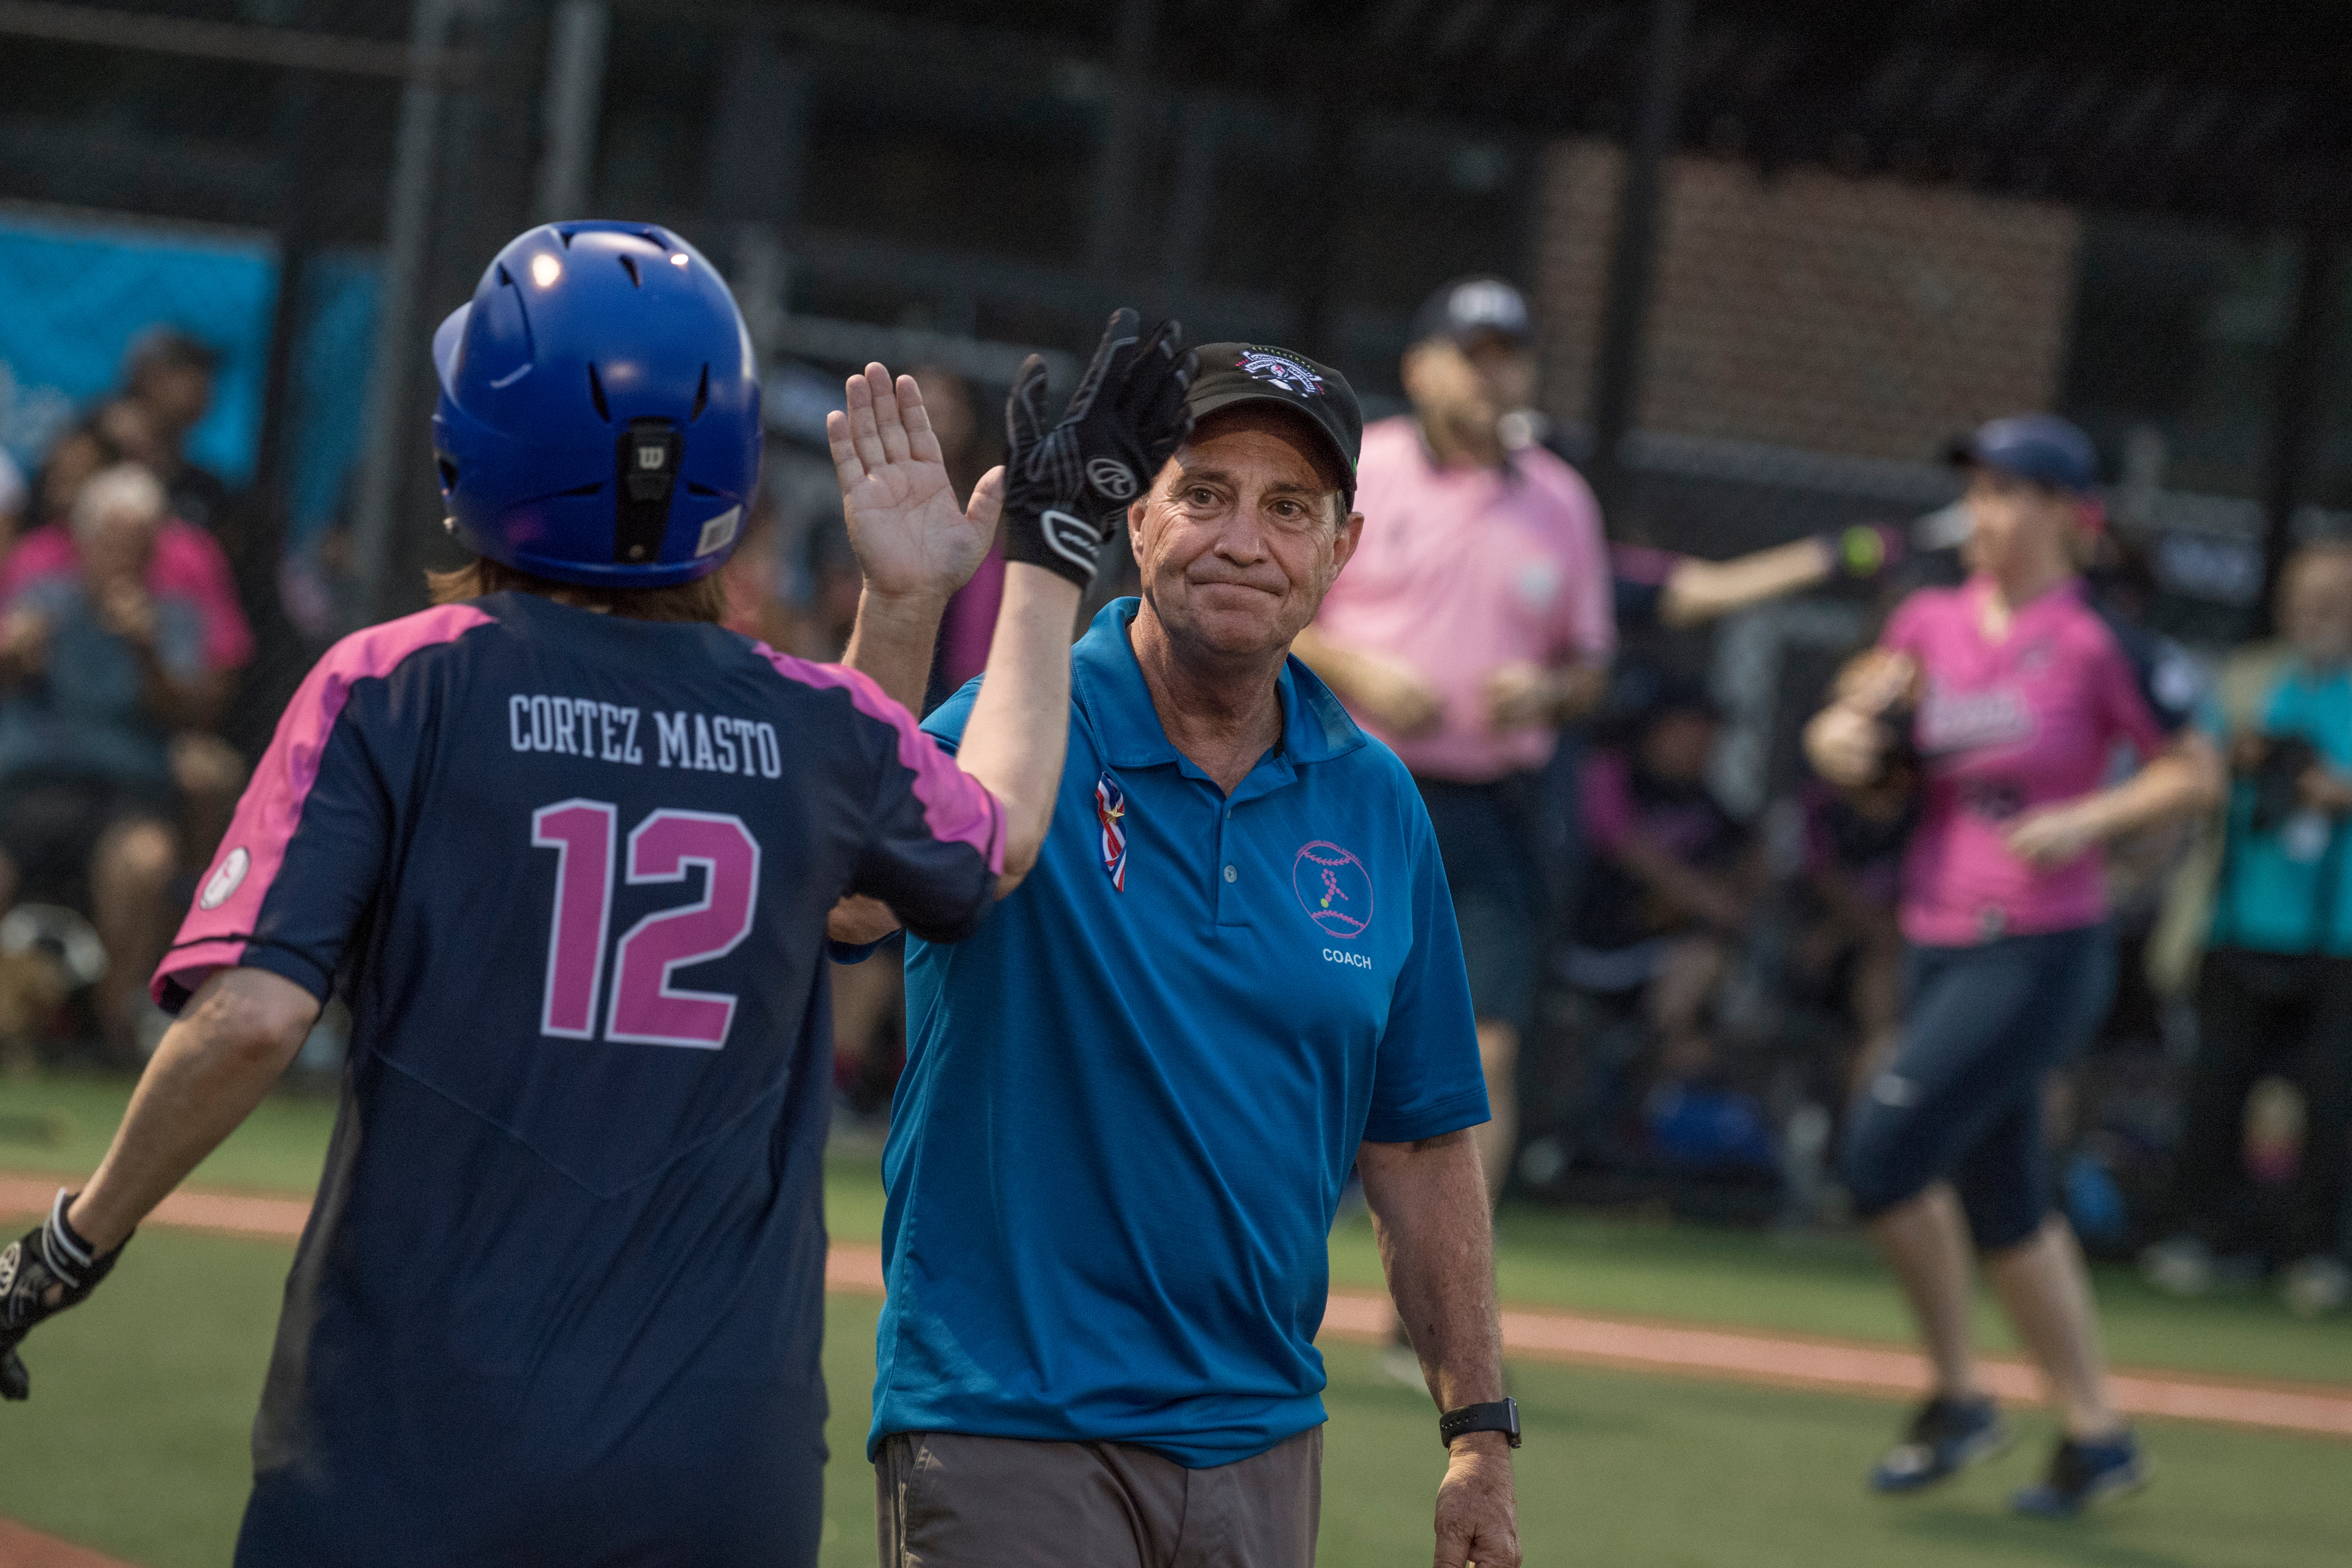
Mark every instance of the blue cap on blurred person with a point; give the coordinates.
(2038, 446)
(1469, 309)
(599, 420)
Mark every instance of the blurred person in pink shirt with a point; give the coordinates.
(186, 560)
(1474, 621)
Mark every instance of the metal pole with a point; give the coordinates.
(575, 92)
(2295, 412)
(1617, 373)
(1119, 160)
(407, 220)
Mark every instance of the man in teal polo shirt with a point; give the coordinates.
(1132, 1100)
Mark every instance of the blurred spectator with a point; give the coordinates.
(2275, 991)
(97, 670)
(1665, 892)
(754, 577)
(186, 562)
(168, 384)
(1854, 841)
(1474, 620)
(167, 377)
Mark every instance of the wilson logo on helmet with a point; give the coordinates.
(599, 419)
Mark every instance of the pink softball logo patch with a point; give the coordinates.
(1333, 888)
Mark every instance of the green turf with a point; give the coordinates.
(1814, 1285)
(63, 1123)
(136, 1445)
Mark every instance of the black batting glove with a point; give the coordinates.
(1068, 485)
(43, 1272)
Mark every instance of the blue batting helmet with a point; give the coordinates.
(599, 420)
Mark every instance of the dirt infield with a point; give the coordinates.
(21, 1547)
(1822, 1364)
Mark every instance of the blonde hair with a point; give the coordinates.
(125, 486)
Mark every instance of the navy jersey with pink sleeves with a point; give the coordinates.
(560, 1297)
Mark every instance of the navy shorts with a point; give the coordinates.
(1487, 838)
(1961, 1099)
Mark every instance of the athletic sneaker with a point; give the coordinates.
(1946, 1437)
(2084, 1473)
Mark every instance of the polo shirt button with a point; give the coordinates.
(1231, 874)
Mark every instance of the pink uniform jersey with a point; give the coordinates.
(1462, 571)
(2006, 726)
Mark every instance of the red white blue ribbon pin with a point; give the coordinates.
(1111, 808)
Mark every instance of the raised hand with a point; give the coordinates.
(913, 540)
(1073, 479)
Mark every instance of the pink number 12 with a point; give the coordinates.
(645, 1009)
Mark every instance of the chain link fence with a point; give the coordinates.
(274, 201)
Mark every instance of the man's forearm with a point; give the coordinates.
(2180, 784)
(1701, 590)
(892, 644)
(1428, 1202)
(1020, 724)
(212, 1068)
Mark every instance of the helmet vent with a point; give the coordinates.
(596, 394)
(449, 476)
(702, 397)
(504, 277)
(629, 265)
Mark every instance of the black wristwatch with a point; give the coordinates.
(1501, 1416)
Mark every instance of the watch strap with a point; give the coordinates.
(1497, 1415)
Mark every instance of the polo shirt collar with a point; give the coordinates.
(1108, 685)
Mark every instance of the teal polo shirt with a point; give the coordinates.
(1132, 1099)
(2290, 892)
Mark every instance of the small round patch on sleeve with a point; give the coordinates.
(225, 881)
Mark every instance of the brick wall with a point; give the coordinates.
(1863, 317)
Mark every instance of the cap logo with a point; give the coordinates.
(1283, 373)
(1111, 477)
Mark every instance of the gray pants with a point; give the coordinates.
(948, 1501)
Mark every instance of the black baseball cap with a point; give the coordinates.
(1232, 374)
(2038, 446)
(1471, 307)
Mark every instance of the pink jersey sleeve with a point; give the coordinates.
(956, 807)
(226, 927)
